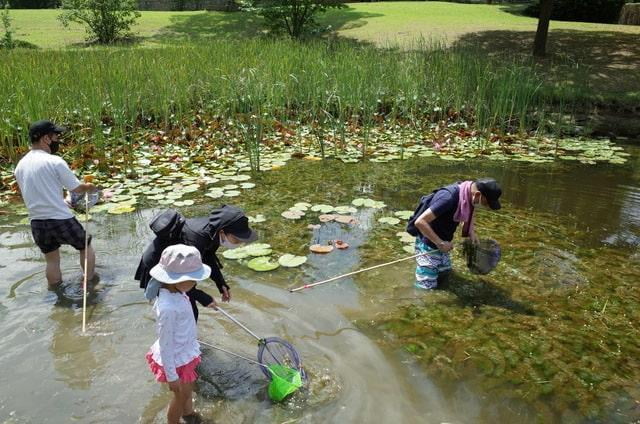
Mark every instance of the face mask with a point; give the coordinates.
(227, 244)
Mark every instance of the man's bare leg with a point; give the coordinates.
(53, 272)
(91, 262)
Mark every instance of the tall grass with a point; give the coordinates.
(327, 82)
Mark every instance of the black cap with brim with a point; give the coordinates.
(42, 128)
(491, 190)
(241, 230)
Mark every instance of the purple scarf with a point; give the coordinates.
(464, 212)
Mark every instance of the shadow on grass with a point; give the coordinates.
(481, 293)
(238, 25)
(603, 63)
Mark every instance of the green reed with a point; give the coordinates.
(111, 91)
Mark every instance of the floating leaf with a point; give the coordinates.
(240, 178)
(291, 261)
(321, 248)
(292, 214)
(409, 248)
(258, 249)
(313, 226)
(403, 214)
(247, 185)
(120, 209)
(405, 237)
(389, 220)
(359, 202)
(230, 187)
(346, 219)
(326, 217)
(322, 208)
(344, 210)
(262, 264)
(339, 244)
(231, 193)
(257, 219)
(302, 205)
(238, 253)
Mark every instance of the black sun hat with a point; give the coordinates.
(491, 190)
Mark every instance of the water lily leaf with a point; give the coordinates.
(240, 178)
(405, 237)
(247, 185)
(292, 214)
(403, 214)
(257, 219)
(239, 253)
(230, 187)
(346, 219)
(313, 226)
(188, 202)
(258, 249)
(322, 208)
(389, 220)
(359, 202)
(262, 264)
(231, 193)
(344, 210)
(120, 209)
(326, 217)
(321, 248)
(409, 248)
(301, 205)
(339, 244)
(291, 261)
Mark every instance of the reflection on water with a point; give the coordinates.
(376, 349)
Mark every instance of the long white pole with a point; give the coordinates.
(308, 286)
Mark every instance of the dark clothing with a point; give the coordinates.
(443, 202)
(201, 233)
(50, 234)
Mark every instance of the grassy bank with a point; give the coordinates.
(110, 91)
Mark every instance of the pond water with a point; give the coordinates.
(551, 334)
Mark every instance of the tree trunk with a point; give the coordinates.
(540, 43)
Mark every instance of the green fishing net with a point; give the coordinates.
(284, 381)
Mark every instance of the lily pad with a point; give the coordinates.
(301, 205)
(291, 261)
(326, 217)
(292, 214)
(321, 248)
(258, 249)
(231, 193)
(257, 219)
(389, 220)
(405, 237)
(403, 214)
(120, 209)
(345, 210)
(247, 185)
(322, 208)
(239, 253)
(346, 219)
(262, 264)
(409, 248)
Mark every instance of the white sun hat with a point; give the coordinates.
(180, 263)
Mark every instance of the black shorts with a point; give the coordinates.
(50, 234)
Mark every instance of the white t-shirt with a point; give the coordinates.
(41, 177)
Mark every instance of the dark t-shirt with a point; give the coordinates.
(443, 205)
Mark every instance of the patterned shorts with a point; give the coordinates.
(430, 265)
(50, 234)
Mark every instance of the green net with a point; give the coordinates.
(284, 381)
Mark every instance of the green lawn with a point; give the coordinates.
(602, 60)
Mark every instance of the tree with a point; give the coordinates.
(105, 21)
(294, 17)
(540, 42)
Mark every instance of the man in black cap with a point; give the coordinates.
(436, 219)
(226, 226)
(42, 176)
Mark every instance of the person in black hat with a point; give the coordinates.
(42, 176)
(436, 219)
(225, 226)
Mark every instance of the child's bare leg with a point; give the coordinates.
(187, 408)
(175, 406)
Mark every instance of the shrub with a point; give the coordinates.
(604, 11)
(105, 21)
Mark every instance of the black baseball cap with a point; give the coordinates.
(241, 230)
(491, 190)
(42, 128)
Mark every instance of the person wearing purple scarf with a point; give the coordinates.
(436, 219)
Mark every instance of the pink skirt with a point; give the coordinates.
(186, 373)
